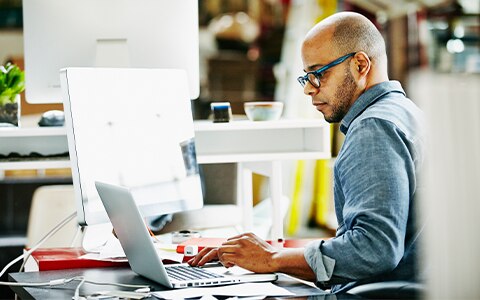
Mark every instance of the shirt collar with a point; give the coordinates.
(366, 99)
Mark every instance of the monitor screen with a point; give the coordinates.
(131, 127)
(107, 33)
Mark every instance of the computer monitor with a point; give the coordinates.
(131, 127)
(107, 33)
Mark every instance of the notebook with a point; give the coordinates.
(142, 254)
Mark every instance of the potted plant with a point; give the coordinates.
(12, 83)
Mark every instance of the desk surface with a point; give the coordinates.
(120, 275)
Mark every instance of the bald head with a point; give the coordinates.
(347, 32)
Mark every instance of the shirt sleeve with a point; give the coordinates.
(321, 264)
(373, 176)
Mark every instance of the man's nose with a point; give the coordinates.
(309, 89)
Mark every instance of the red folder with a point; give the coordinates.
(69, 258)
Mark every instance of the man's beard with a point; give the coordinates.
(344, 94)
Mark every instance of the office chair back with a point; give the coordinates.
(51, 205)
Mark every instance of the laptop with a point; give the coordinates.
(142, 254)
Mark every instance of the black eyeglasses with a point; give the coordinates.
(314, 76)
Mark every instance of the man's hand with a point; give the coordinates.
(249, 252)
(246, 250)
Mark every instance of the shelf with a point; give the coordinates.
(204, 125)
(237, 141)
(246, 141)
(43, 140)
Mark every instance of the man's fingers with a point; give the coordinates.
(208, 257)
(205, 255)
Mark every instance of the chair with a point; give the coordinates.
(50, 205)
(389, 290)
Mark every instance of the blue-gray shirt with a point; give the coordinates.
(376, 179)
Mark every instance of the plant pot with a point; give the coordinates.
(10, 113)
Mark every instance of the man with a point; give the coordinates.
(375, 174)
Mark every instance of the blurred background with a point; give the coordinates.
(250, 51)
(249, 47)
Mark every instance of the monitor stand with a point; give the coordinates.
(95, 236)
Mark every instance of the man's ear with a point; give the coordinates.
(362, 63)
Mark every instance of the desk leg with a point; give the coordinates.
(276, 194)
(245, 196)
(273, 170)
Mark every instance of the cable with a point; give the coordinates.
(40, 284)
(54, 230)
(84, 280)
(27, 254)
(62, 281)
(46, 237)
(77, 289)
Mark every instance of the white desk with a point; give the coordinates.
(257, 147)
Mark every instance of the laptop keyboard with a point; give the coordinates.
(190, 273)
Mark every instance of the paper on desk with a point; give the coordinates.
(113, 249)
(241, 290)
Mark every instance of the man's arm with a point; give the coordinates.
(292, 261)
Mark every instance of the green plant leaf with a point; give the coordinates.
(12, 82)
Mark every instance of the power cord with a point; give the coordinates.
(40, 284)
(138, 288)
(27, 254)
(46, 237)
(62, 281)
